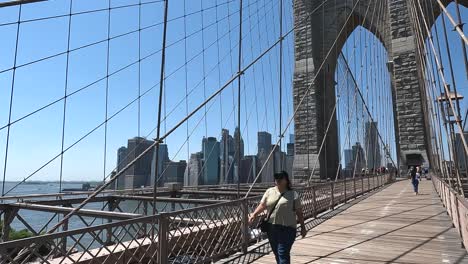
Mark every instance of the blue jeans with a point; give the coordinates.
(281, 240)
(415, 183)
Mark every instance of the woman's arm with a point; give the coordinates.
(260, 208)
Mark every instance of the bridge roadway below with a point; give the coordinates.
(390, 226)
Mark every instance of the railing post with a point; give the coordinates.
(245, 225)
(112, 205)
(314, 202)
(368, 184)
(163, 239)
(442, 197)
(332, 195)
(362, 185)
(8, 216)
(459, 223)
(442, 194)
(64, 239)
(354, 187)
(345, 199)
(145, 212)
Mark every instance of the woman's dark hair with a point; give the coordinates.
(283, 175)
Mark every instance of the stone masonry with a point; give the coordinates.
(315, 37)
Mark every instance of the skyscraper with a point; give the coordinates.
(227, 150)
(290, 149)
(348, 156)
(238, 141)
(174, 171)
(211, 154)
(264, 148)
(192, 174)
(460, 151)
(358, 161)
(374, 158)
(139, 173)
(163, 157)
(249, 168)
(269, 166)
(289, 165)
(122, 161)
(264, 142)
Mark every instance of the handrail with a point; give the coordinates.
(456, 206)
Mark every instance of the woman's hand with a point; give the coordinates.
(260, 208)
(252, 218)
(303, 231)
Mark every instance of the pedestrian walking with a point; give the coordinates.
(284, 211)
(414, 179)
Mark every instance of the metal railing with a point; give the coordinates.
(456, 205)
(196, 235)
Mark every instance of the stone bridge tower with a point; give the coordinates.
(319, 23)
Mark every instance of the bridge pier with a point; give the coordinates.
(315, 63)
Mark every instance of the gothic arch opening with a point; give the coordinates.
(365, 119)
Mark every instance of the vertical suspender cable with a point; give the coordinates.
(239, 95)
(65, 94)
(281, 75)
(452, 74)
(139, 68)
(186, 91)
(11, 100)
(439, 85)
(161, 90)
(449, 99)
(457, 114)
(461, 24)
(107, 88)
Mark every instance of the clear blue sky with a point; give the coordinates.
(37, 139)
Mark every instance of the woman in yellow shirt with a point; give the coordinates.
(285, 208)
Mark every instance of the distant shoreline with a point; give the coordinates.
(47, 182)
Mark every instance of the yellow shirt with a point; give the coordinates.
(284, 214)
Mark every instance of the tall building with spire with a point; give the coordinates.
(227, 150)
(238, 145)
(264, 149)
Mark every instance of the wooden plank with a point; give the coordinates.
(392, 226)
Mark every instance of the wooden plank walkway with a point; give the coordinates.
(391, 226)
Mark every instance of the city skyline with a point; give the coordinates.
(215, 163)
